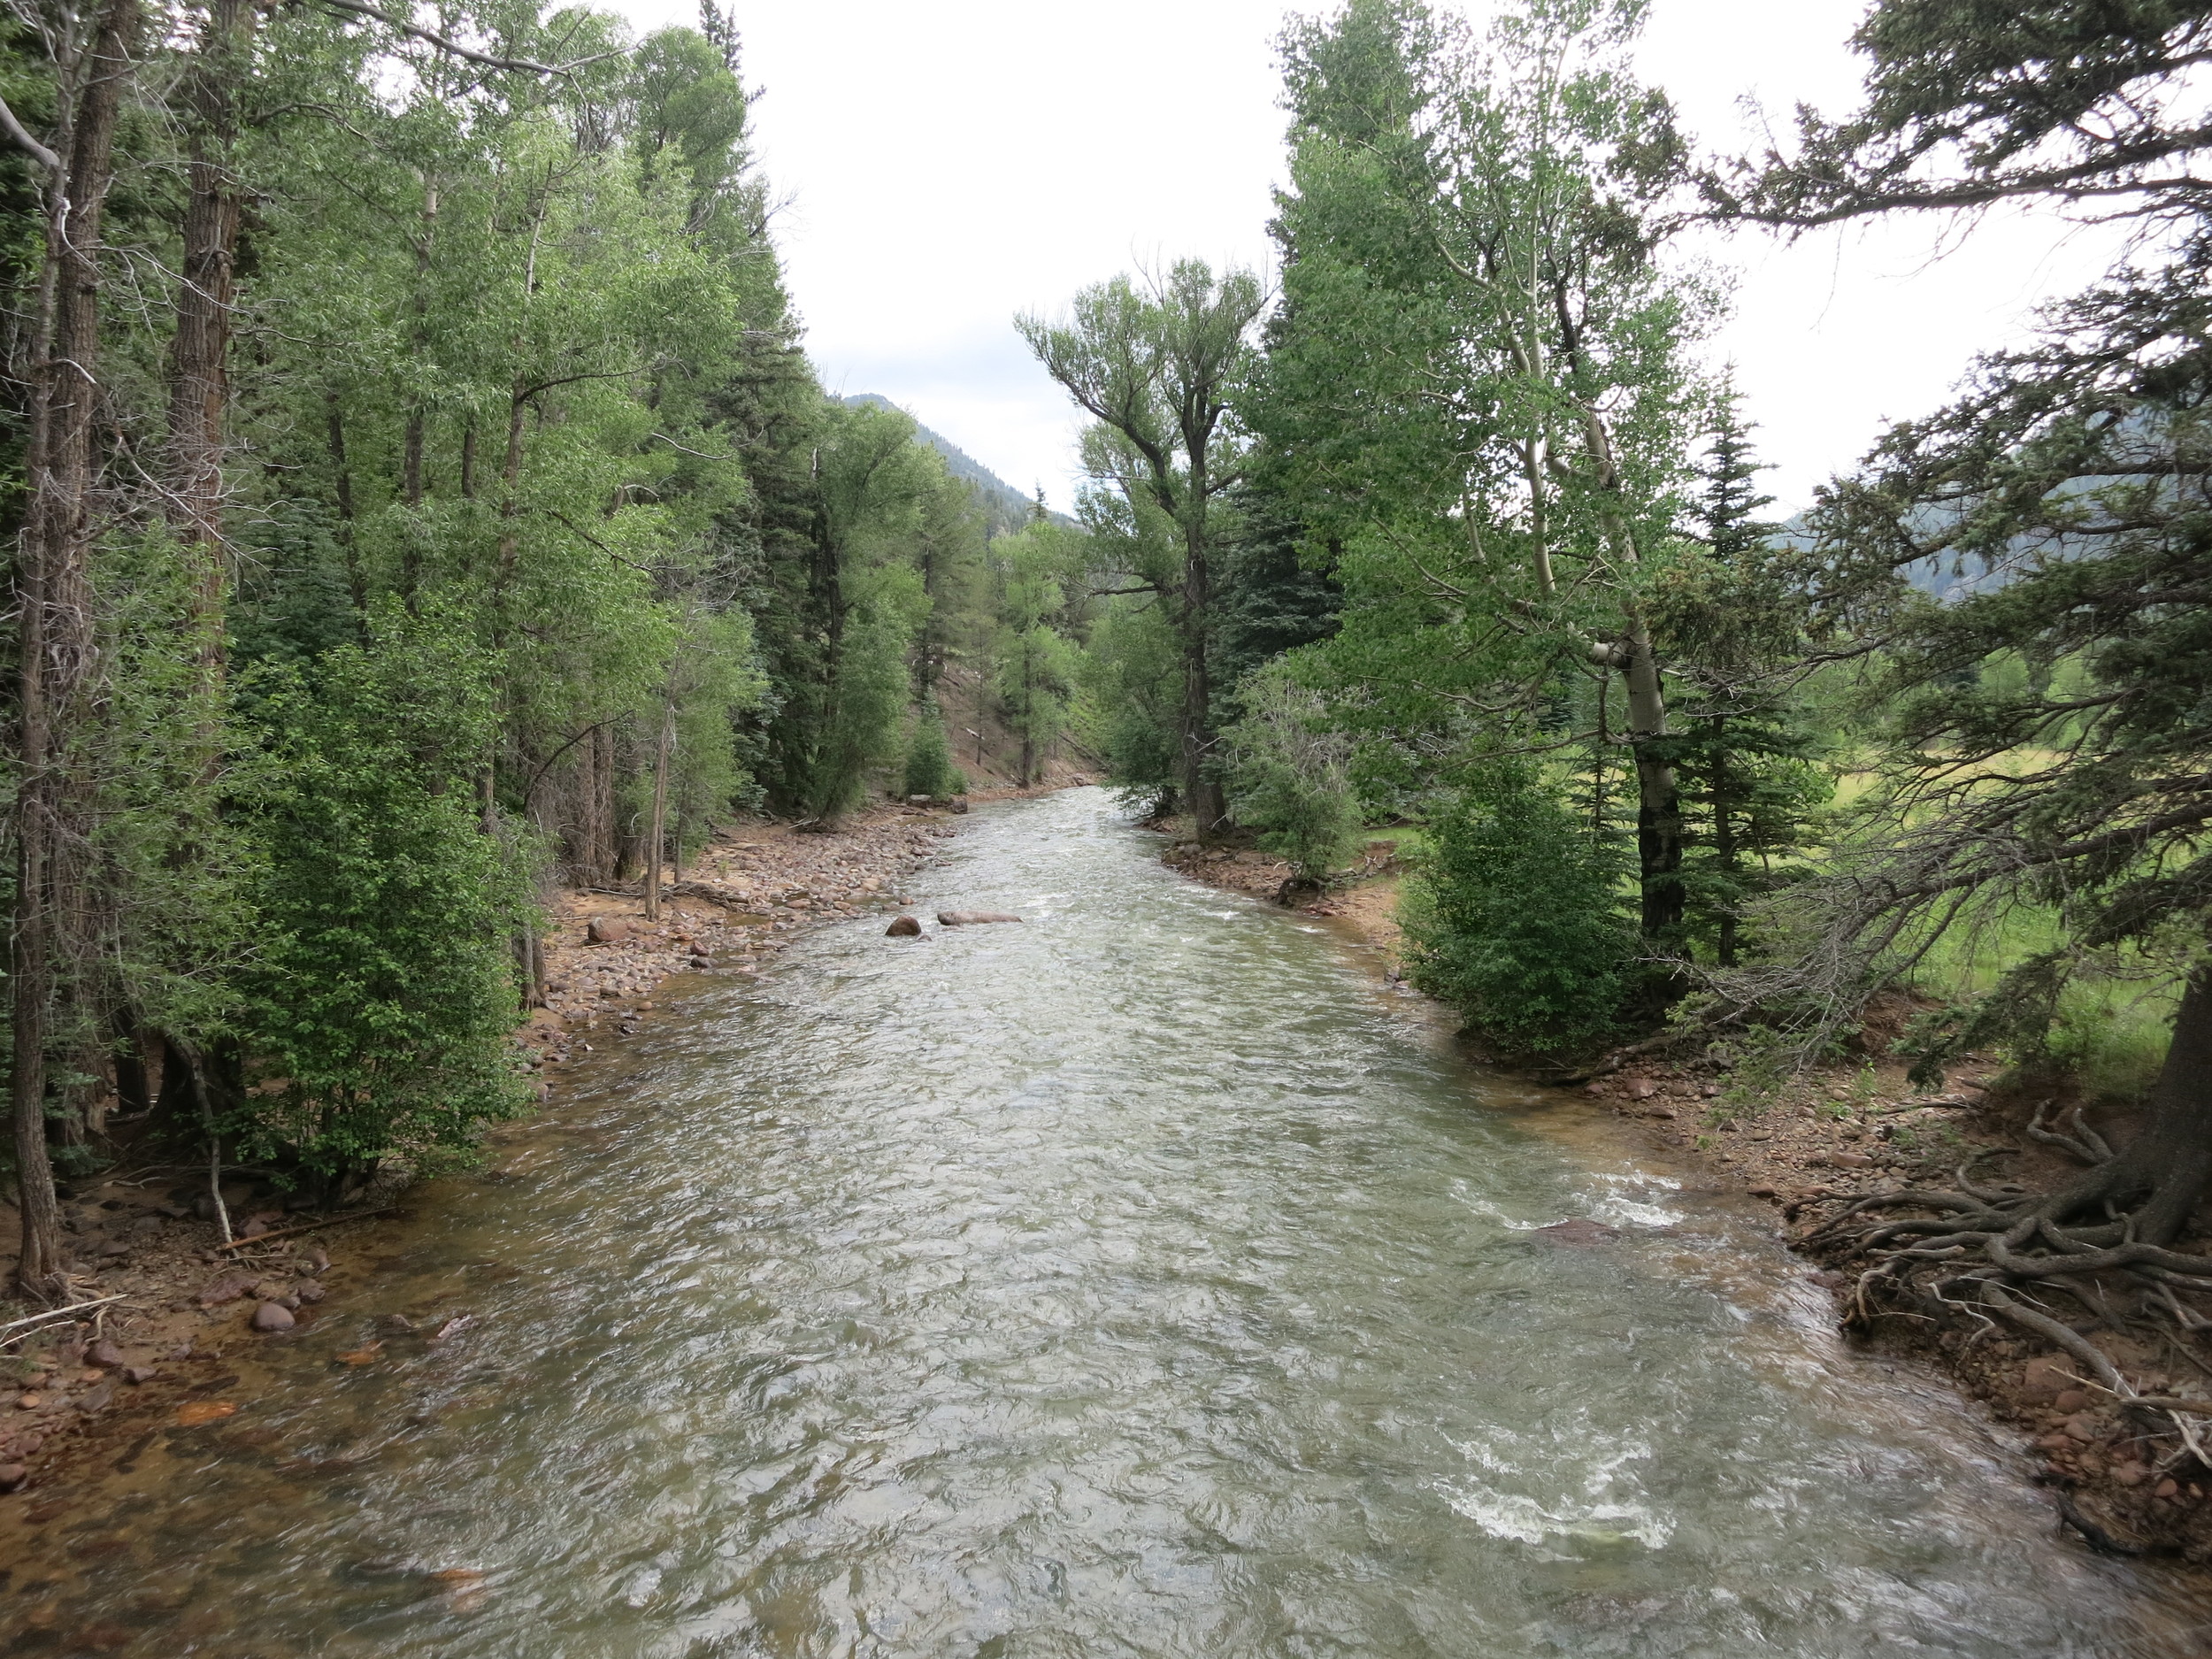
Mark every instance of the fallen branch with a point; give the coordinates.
(55, 1313)
(307, 1227)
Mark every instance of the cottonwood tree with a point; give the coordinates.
(2069, 478)
(1480, 385)
(1157, 366)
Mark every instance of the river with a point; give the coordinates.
(1144, 1280)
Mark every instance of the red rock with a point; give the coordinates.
(904, 927)
(2166, 1489)
(1847, 1161)
(103, 1352)
(607, 930)
(136, 1374)
(2081, 1427)
(1764, 1192)
(271, 1317)
(13, 1477)
(2130, 1474)
(2045, 1380)
(1640, 1088)
(2070, 1401)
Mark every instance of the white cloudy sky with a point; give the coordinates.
(950, 162)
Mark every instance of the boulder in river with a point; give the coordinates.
(1577, 1229)
(905, 927)
(271, 1317)
(973, 918)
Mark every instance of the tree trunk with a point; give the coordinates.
(660, 815)
(55, 640)
(1724, 841)
(1209, 809)
(2167, 1166)
(1658, 794)
(199, 380)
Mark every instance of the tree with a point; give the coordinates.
(95, 55)
(1156, 368)
(1747, 753)
(2071, 475)
(1517, 921)
(1290, 776)
(381, 998)
(1479, 388)
(1035, 664)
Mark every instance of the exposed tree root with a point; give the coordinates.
(1980, 1257)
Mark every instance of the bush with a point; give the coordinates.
(1517, 920)
(929, 769)
(380, 1003)
(1289, 777)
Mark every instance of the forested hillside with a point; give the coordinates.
(425, 502)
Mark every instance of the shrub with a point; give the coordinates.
(1517, 920)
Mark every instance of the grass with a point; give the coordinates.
(2112, 1029)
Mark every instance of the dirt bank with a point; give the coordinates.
(1811, 1146)
(164, 1301)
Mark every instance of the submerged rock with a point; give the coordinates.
(271, 1316)
(1578, 1230)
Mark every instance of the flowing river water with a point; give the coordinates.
(1140, 1281)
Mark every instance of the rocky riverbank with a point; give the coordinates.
(161, 1301)
(1812, 1145)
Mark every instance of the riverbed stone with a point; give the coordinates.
(2045, 1380)
(271, 1317)
(905, 927)
(1577, 1229)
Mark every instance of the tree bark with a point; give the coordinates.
(1208, 807)
(55, 644)
(660, 815)
(199, 380)
(2165, 1168)
(1658, 792)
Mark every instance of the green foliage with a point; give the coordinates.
(929, 769)
(1129, 708)
(378, 1005)
(1516, 919)
(1035, 664)
(1289, 775)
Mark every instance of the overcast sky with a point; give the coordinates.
(948, 163)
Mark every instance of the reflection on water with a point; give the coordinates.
(1135, 1281)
